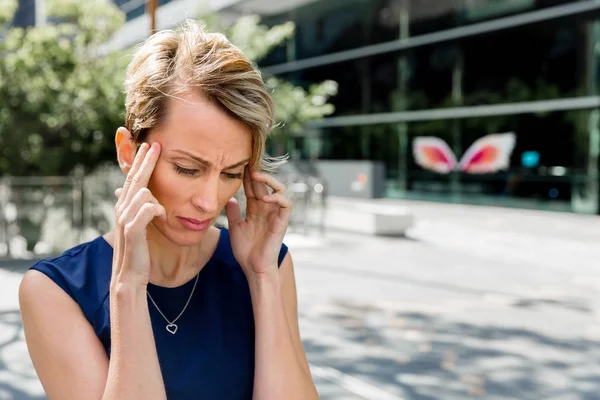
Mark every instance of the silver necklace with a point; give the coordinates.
(171, 326)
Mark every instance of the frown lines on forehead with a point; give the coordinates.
(208, 163)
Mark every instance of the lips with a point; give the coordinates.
(194, 224)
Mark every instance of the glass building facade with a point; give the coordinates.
(457, 73)
(135, 8)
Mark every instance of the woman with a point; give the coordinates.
(166, 305)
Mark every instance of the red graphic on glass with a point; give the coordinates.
(488, 154)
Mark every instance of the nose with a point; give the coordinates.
(206, 197)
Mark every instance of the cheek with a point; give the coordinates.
(161, 184)
(227, 189)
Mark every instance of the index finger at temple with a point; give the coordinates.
(142, 177)
(137, 162)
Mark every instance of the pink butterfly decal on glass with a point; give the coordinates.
(488, 154)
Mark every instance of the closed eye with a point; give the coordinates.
(229, 175)
(185, 171)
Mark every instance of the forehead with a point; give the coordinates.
(193, 123)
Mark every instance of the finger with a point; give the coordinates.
(285, 204)
(118, 192)
(248, 183)
(232, 210)
(142, 176)
(134, 234)
(269, 180)
(139, 157)
(261, 181)
(136, 228)
(142, 197)
(129, 214)
(259, 188)
(279, 199)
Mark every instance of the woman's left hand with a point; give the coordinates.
(256, 240)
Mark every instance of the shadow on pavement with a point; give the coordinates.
(427, 357)
(18, 380)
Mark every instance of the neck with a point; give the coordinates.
(173, 265)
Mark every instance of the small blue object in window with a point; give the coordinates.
(530, 159)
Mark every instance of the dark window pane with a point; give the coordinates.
(421, 79)
(325, 27)
(543, 66)
(383, 21)
(136, 12)
(427, 16)
(549, 64)
(330, 26)
(25, 14)
(349, 100)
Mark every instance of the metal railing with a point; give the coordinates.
(47, 215)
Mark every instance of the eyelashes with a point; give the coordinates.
(194, 172)
(233, 176)
(185, 171)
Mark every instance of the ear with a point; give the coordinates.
(126, 149)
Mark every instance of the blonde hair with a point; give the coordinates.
(170, 63)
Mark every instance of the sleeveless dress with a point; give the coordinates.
(211, 356)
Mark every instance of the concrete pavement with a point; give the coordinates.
(475, 302)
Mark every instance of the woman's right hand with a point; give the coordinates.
(136, 207)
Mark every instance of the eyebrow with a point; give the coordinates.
(208, 163)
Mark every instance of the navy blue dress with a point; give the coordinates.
(212, 354)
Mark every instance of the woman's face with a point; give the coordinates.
(203, 157)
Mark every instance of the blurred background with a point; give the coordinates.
(444, 159)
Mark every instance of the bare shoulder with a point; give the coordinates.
(65, 351)
(38, 292)
(36, 287)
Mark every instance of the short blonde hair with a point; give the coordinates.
(173, 62)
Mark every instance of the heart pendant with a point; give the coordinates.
(172, 328)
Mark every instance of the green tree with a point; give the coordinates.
(7, 10)
(57, 94)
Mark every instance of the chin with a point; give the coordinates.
(187, 238)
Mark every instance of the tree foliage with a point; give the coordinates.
(61, 100)
(7, 10)
(57, 96)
